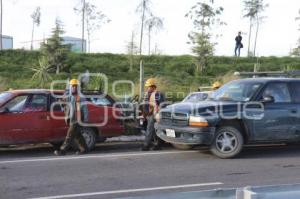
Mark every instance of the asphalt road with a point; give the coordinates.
(119, 170)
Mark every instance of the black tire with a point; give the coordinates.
(89, 136)
(228, 142)
(56, 145)
(183, 146)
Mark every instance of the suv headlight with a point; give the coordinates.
(198, 121)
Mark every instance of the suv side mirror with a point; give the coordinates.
(268, 99)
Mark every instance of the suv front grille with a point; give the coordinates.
(176, 119)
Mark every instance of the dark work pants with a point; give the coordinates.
(151, 138)
(74, 136)
(237, 50)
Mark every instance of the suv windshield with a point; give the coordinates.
(236, 91)
(4, 97)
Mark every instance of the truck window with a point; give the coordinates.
(36, 103)
(16, 104)
(279, 91)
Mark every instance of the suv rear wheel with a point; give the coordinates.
(228, 142)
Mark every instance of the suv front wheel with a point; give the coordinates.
(228, 142)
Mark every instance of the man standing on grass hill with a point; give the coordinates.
(152, 102)
(75, 111)
(238, 44)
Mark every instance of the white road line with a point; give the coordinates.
(94, 156)
(129, 191)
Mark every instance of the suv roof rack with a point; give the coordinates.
(205, 88)
(286, 74)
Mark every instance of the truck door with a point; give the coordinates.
(27, 120)
(280, 117)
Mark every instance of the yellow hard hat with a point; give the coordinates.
(216, 85)
(74, 82)
(150, 82)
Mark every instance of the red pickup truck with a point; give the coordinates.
(27, 117)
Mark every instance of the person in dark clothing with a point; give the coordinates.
(238, 44)
(75, 112)
(152, 101)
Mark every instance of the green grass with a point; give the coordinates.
(175, 73)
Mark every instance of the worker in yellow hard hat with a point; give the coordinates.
(216, 85)
(151, 106)
(76, 112)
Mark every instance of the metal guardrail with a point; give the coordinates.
(290, 191)
(269, 192)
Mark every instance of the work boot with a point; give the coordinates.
(59, 152)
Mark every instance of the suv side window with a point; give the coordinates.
(295, 91)
(279, 91)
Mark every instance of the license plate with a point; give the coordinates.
(170, 133)
(141, 122)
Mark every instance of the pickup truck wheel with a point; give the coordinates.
(89, 136)
(183, 146)
(228, 142)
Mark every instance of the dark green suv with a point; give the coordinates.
(247, 111)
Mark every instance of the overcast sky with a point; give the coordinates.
(277, 35)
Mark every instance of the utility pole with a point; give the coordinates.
(31, 45)
(83, 18)
(1, 10)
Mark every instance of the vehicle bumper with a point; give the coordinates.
(186, 135)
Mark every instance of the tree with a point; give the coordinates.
(36, 20)
(82, 27)
(296, 51)
(153, 23)
(254, 10)
(259, 7)
(132, 51)
(298, 19)
(41, 71)
(94, 19)
(205, 17)
(144, 10)
(54, 50)
(203, 48)
(1, 24)
(250, 13)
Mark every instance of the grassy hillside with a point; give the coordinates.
(175, 73)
